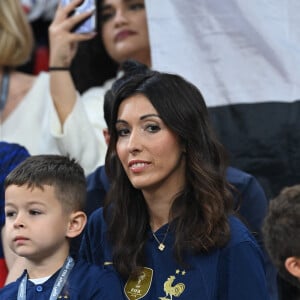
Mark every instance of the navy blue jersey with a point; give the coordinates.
(84, 282)
(234, 272)
(97, 187)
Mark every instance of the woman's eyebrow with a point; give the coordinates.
(149, 115)
(141, 118)
(121, 121)
(109, 6)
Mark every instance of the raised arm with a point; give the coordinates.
(63, 46)
(77, 121)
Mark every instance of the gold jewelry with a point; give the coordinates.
(161, 245)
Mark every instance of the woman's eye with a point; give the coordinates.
(137, 6)
(105, 16)
(122, 132)
(34, 212)
(152, 128)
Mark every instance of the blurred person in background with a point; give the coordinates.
(27, 114)
(89, 63)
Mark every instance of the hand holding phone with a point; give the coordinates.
(88, 25)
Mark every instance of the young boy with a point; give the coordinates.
(44, 201)
(281, 231)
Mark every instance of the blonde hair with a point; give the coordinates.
(16, 38)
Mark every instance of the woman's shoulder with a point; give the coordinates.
(41, 78)
(88, 270)
(40, 83)
(239, 233)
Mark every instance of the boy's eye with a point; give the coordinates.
(10, 214)
(34, 212)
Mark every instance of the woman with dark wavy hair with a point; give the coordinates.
(167, 226)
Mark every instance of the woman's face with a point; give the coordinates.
(125, 31)
(151, 154)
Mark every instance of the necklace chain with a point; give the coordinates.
(161, 245)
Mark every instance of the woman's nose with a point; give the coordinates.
(120, 17)
(134, 142)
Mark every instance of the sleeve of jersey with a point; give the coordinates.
(254, 205)
(243, 275)
(91, 248)
(108, 287)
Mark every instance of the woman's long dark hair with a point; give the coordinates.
(92, 65)
(199, 212)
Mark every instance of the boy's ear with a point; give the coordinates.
(76, 224)
(292, 264)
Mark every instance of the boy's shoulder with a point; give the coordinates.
(86, 281)
(10, 290)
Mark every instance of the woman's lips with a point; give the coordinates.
(138, 166)
(123, 35)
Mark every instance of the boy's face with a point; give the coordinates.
(36, 224)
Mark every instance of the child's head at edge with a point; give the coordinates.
(281, 230)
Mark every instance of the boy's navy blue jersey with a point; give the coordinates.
(234, 272)
(85, 282)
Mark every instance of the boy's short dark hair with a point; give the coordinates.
(281, 230)
(63, 173)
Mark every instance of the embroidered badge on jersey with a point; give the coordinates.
(137, 288)
(173, 289)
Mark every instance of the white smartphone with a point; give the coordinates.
(89, 24)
